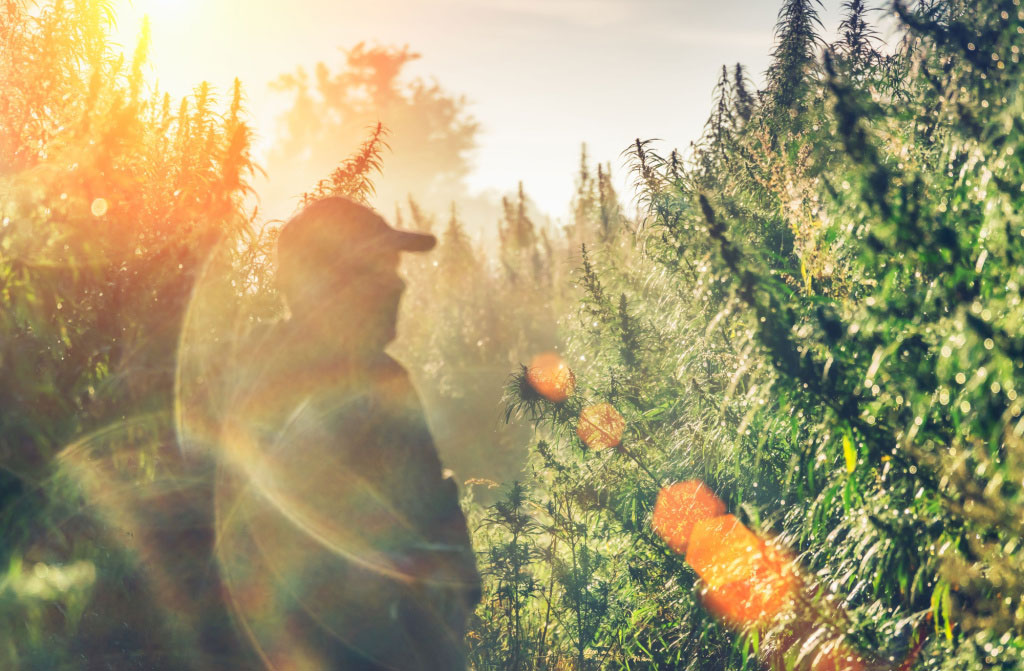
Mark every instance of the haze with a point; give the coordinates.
(541, 76)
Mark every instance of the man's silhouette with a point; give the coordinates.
(341, 543)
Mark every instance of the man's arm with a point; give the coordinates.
(432, 499)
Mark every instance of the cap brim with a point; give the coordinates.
(411, 241)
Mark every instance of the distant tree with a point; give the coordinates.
(421, 221)
(596, 212)
(458, 262)
(609, 211)
(430, 134)
(518, 232)
(583, 204)
(522, 253)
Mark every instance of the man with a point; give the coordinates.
(341, 544)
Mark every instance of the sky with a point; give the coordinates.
(541, 76)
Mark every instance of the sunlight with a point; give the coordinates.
(155, 7)
(132, 12)
(765, 415)
(172, 25)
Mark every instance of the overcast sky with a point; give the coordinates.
(541, 76)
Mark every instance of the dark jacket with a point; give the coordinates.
(341, 543)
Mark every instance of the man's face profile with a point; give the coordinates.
(365, 293)
(338, 271)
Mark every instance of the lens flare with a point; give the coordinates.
(320, 534)
(745, 578)
(679, 507)
(153, 509)
(551, 377)
(600, 426)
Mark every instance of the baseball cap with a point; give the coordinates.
(337, 226)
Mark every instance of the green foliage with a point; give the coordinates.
(822, 327)
(510, 554)
(596, 212)
(128, 269)
(818, 313)
(795, 53)
(465, 320)
(858, 38)
(112, 201)
(354, 177)
(90, 321)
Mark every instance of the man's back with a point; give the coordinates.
(340, 542)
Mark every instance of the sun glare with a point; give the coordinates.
(162, 6)
(175, 54)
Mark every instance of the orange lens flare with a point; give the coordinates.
(679, 507)
(746, 579)
(600, 426)
(551, 377)
(721, 550)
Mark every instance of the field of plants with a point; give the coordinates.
(766, 416)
